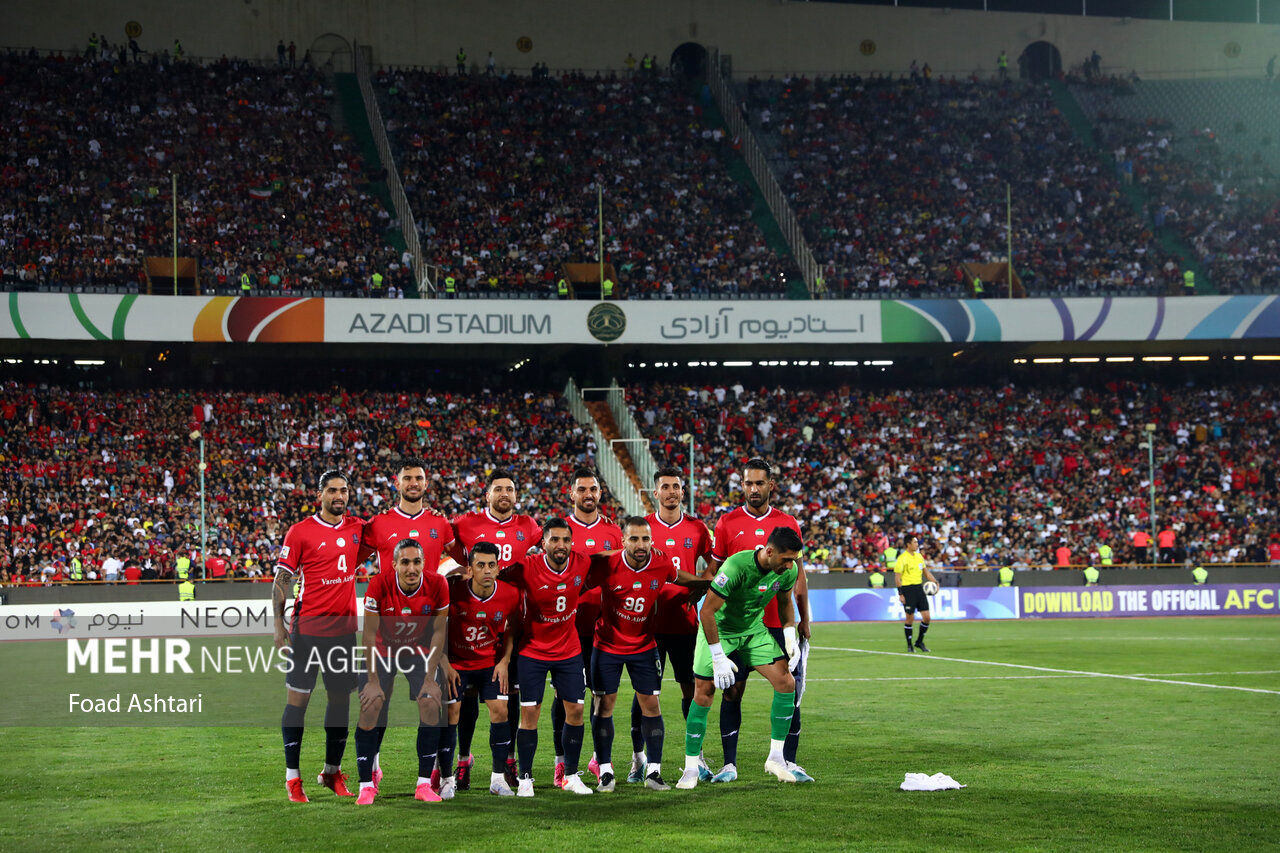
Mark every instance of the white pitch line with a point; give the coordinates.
(1052, 669)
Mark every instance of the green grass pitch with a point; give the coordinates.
(1053, 760)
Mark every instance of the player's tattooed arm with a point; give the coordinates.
(280, 591)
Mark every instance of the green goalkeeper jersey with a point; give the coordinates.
(746, 589)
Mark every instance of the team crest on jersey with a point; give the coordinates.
(577, 581)
(426, 608)
(653, 584)
(688, 542)
(433, 533)
(775, 586)
(519, 535)
(497, 617)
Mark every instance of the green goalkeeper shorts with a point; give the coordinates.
(757, 648)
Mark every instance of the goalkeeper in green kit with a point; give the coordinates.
(731, 623)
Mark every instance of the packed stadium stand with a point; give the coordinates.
(987, 475)
(113, 473)
(503, 172)
(899, 181)
(267, 184)
(1204, 154)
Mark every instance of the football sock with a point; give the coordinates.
(513, 718)
(637, 736)
(291, 729)
(572, 747)
(695, 729)
(920, 635)
(526, 746)
(444, 758)
(468, 717)
(428, 745)
(557, 726)
(784, 707)
(793, 738)
(335, 743)
(654, 733)
(499, 745)
(366, 744)
(291, 773)
(602, 735)
(775, 750)
(907, 628)
(730, 722)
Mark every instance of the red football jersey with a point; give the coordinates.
(477, 625)
(324, 557)
(683, 542)
(405, 617)
(627, 598)
(589, 539)
(548, 602)
(514, 537)
(384, 530)
(739, 530)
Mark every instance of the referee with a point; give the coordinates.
(909, 572)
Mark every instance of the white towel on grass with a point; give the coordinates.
(923, 782)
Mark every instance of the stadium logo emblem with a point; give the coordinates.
(606, 322)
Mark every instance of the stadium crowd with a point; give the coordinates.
(1225, 206)
(503, 174)
(988, 476)
(267, 186)
(897, 182)
(113, 475)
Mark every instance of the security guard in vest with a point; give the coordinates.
(819, 287)
(1189, 283)
(1006, 576)
(77, 569)
(450, 287)
(493, 282)
(890, 555)
(186, 591)
(977, 287)
(244, 284)
(182, 567)
(375, 281)
(1199, 575)
(1090, 576)
(1002, 63)
(1105, 554)
(562, 289)
(876, 579)
(606, 289)
(461, 59)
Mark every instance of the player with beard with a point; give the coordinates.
(550, 584)
(685, 540)
(744, 529)
(321, 550)
(408, 519)
(592, 534)
(514, 534)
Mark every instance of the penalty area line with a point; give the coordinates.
(1052, 669)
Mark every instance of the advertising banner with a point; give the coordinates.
(881, 605)
(1222, 599)
(285, 319)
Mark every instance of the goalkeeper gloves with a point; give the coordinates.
(791, 646)
(722, 669)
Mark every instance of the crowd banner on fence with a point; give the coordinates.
(85, 620)
(293, 319)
